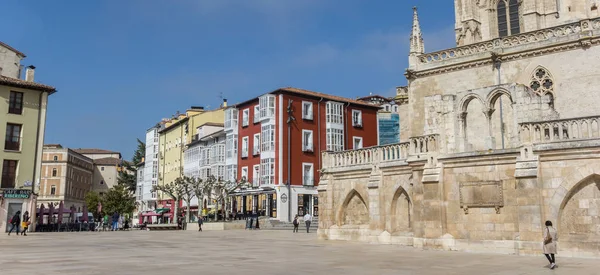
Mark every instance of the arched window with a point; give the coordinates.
(508, 17)
(541, 81)
(54, 172)
(55, 158)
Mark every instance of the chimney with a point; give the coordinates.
(29, 73)
(224, 102)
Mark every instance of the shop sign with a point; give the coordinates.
(16, 193)
(284, 198)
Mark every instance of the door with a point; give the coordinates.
(307, 203)
(11, 211)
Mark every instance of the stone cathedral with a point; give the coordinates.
(498, 135)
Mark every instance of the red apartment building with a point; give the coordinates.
(290, 126)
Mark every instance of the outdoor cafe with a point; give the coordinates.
(63, 219)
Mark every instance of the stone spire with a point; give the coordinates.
(416, 38)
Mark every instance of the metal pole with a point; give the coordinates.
(289, 159)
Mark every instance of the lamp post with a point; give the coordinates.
(290, 119)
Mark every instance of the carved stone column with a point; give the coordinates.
(490, 141)
(462, 136)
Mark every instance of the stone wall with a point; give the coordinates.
(482, 202)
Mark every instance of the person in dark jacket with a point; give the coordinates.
(200, 222)
(25, 223)
(115, 221)
(15, 222)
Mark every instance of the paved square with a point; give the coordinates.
(248, 252)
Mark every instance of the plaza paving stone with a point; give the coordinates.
(249, 252)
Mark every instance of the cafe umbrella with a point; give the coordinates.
(84, 215)
(61, 210)
(50, 213)
(41, 215)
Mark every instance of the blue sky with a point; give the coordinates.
(121, 66)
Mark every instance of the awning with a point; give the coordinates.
(150, 214)
(162, 210)
(252, 192)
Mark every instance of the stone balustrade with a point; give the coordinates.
(511, 41)
(366, 156)
(560, 130)
(424, 144)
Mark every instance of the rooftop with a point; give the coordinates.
(9, 81)
(297, 91)
(107, 161)
(12, 49)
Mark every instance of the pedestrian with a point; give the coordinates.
(295, 222)
(15, 222)
(200, 222)
(307, 221)
(115, 221)
(25, 223)
(105, 222)
(550, 244)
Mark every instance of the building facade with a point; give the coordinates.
(262, 147)
(146, 197)
(66, 176)
(107, 165)
(503, 134)
(388, 117)
(23, 106)
(205, 157)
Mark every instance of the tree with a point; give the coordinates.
(202, 189)
(128, 175)
(118, 199)
(92, 199)
(177, 190)
(222, 191)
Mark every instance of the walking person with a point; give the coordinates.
(550, 244)
(200, 222)
(307, 221)
(115, 221)
(25, 223)
(295, 223)
(15, 222)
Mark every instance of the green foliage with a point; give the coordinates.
(128, 175)
(91, 201)
(118, 199)
(139, 153)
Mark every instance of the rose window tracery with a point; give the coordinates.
(541, 82)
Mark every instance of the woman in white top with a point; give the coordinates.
(550, 243)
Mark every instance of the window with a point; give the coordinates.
(256, 145)
(54, 172)
(356, 118)
(9, 173)
(231, 118)
(53, 190)
(307, 141)
(508, 17)
(256, 114)
(307, 174)
(244, 173)
(267, 171)
(333, 112)
(231, 173)
(358, 143)
(102, 168)
(256, 175)
(268, 138)
(13, 137)
(245, 117)
(307, 110)
(55, 158)
(335, 139)
(15, 105)
(267, 106)
(231, 146)
(244, 147)
(541, 81)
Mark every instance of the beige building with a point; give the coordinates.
(503, 134)
(177, 133)
(107, 165)
(66, 176)
(23, 106)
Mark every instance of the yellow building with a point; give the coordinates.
(23, 120)
(176, 134)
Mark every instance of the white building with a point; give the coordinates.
(205, 155)
(149, 176)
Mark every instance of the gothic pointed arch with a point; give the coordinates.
(401, 211)
(354, 210)
(542, 81)
(507, 19)
(578, 212)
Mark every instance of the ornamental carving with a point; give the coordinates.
(481, 194)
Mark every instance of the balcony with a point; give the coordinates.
(245, 121)
(244, 153)
(255, 183)
(255, 150)
(307, 115)
(560, 130)
(308, 181)
(357, 123)
(256, 118)
(308, 147)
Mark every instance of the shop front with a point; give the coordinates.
(261, 202)
(11, 201)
